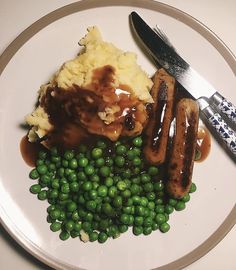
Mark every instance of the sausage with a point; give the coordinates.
(182, 153)
(157, 130)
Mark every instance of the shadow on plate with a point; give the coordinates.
(22, 252)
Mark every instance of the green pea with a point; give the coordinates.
(138, 220)
(112, 191)
(65, 163)
(42, 169)
(71, 206)
(172, 202)
(35, 189)
(186, 198)
(135, 189)
(93, 194)
(53, 193)
(144, 201)
(65, 188)
(74, 234)
(89, 170)
(74, 187)
(193, 188)
(91, 205)
(73, 164)
(169, 209)
(137, 161)
(87, 186)
(55, 226)
(68, 155)
(94, 178)
(117, 202)
(34, 174)
(147, 230)
(159, 186)
(75, 215)
(131, 154)
(109, 162)
(63, 196)
(109, 181)
(104, 224)
(180, 205)
(77, 226)
(155, 226)
(108, 210)
(64, 235)
(160, 219)
(45, 179)
(126, 194)
(101, 144)
(160, 209)
(148, 187)
(93, 236)
(68, 171)
(145, 178)
(42, 154)
(124, 219)
(62, 216)
(164, 227)
(136, 151)
(140, 210)
(88, 217)
(121, 150)
(96, 153)
(113, 231)
(123, 228)
(42, 195)
(151, 205)
(102, 237)
(121, 185)
(99, 162)
(61, 172)
(82, 176)
(83, 162)
(119, 161)
(55, 160)
(137, 230)
(55, 214)
(137, 141)
(105, 171)
(136, 200)
(69, 225)
(102, 191)
(153, 171)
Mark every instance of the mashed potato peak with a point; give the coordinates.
(99, 53)
(79, 72)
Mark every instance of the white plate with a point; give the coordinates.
(29, 62)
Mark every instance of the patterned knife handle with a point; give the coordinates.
(227, 134)
(224, 106)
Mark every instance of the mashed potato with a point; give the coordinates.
(79, 71)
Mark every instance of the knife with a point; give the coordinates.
(194, 83)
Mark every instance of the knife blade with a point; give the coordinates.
(199, 88)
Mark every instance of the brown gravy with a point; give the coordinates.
(29, 151)
(203, 143)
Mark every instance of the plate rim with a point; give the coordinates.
(163, 8)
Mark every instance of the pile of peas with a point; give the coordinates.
(102, 190)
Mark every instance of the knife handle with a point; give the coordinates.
(224, 106)
(224, 131)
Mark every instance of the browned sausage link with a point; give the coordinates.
(157, 130)
(180, 166)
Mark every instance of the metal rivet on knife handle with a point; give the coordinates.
(225, 107)
(224, 131)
